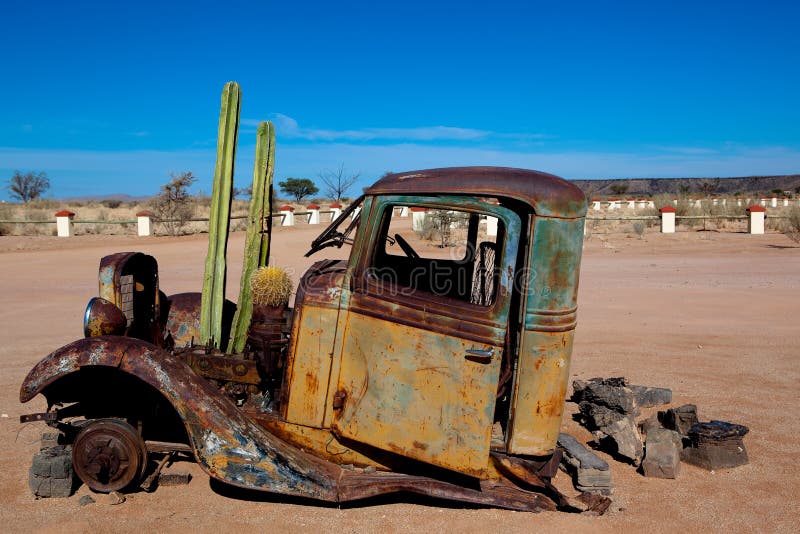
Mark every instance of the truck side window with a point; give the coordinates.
(442, 252)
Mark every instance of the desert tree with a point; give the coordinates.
(299, 188)
(173, 206)
(337, 182)
(708, 186)
(620, 188)
(242, 192)
(27, 187)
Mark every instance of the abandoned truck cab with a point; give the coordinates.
(433, 349)
(437, 366)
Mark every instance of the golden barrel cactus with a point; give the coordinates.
(271, 286)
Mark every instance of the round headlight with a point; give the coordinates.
(103, 318)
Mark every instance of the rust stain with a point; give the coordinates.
(312, 383)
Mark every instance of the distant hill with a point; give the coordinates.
(111, 196)
(722, 186)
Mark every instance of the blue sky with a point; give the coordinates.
(109, 97)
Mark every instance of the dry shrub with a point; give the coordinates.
(638, 227)
(791, 225)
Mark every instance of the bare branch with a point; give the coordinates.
(337, 182)
(27, 187)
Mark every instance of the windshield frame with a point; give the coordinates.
(331, 236)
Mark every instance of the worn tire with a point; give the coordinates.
(109, 455)
(51, 472)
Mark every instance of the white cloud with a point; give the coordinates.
(372, 161)
(287, 127)
(686, 149)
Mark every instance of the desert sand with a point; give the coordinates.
(713, 316)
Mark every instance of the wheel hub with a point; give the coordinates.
(108, 455)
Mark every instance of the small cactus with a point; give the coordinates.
(271, 286)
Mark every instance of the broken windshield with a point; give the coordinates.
(340, 230)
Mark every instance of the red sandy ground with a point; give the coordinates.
(711, 316)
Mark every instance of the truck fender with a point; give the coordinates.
(226, 443)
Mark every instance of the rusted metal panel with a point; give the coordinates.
(546, 346)
(114, 266)
(234, 449)
(407, 382)
(414, 392)
(219, 367)
(324, 443)
(313, 336)
(183, 318)
(542, 375)
(182, 323)
(130, 281)
(310, 365)
(548, 195)
(498, 493)
(413, 310)
(227, 444)
(110, 271)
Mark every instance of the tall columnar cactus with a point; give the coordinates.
(256, 245)
(213, 298)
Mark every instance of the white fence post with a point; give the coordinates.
(667, 219)
(418, 218)
(288, 215)
(144, 223)
(336, 210)
(491, 226)
(755, 224)
(64, 227)
(313, 214)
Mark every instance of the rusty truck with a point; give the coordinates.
(437, 368)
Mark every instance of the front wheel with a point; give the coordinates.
(109, 455)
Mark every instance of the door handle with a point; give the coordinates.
(480, 355)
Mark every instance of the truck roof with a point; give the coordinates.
(547, 194)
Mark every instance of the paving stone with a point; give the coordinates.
(679, 419)
(590, 473)
(645, 425)
(647, 397)
(612, 393)
(614, 430)
(662, 453)
(50, 439)
(51, 473)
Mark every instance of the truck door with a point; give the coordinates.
(425, 330)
